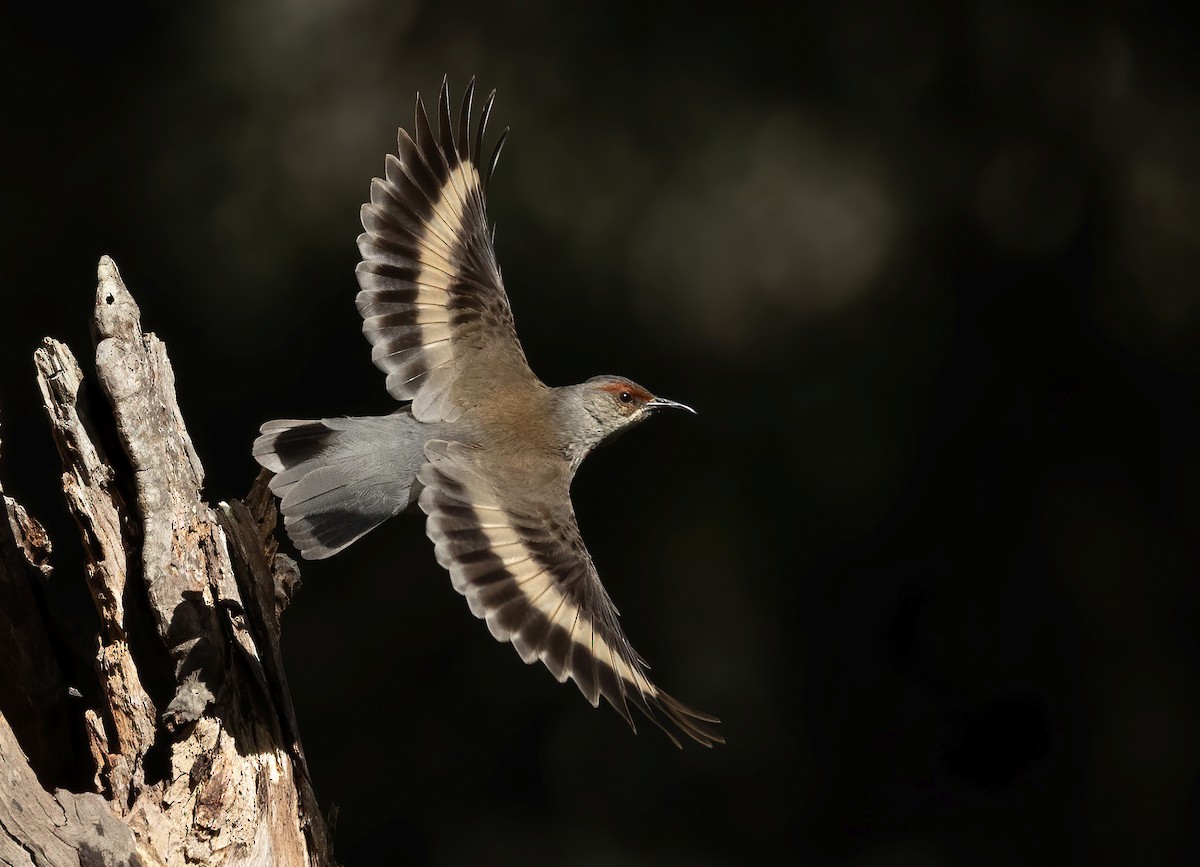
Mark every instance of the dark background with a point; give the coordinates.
(929, 274)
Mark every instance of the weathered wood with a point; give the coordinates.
(36, 827)
(33, 692)
(121, 731)
(194, 740)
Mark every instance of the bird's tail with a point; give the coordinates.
(339, 478)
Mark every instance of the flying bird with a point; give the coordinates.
(479, 443)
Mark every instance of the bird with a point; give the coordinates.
(479, 444)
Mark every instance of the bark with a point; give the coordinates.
(186, 727)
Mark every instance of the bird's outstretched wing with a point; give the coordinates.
(432, 301)
(524, 569)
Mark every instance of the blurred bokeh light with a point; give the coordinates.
(930, 273)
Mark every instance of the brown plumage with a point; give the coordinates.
(486, 449)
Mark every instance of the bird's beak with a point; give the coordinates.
(663, 403)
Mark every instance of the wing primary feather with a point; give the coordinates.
(385, 195)
(639, 701)
(595, 696)
(429, 151)
(569, 666)
(432, 152)
(555, 637)
(423, 140)
(411, 166)
(483, 119)
(495, 158)
(527, 578)
(533, 601)
(691, 721)
(450, 149)
(374, 253)
(624, 708)
(464, 119)
(426, 242)
(374, 218)
(694, 714)
(424, 133)
(534, 631)
(445, 129)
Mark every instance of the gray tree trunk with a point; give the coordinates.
(187, 729)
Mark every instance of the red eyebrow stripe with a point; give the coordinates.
(617, 387)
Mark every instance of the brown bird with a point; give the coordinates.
(481, 444)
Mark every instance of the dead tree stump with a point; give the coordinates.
(189, 724)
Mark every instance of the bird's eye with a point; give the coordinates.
(625, 397)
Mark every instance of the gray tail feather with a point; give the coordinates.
(337, 479)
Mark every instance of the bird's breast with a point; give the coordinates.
(517, 440)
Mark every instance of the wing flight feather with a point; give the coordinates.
(432, 300)
(527, 573)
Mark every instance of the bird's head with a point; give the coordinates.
(606, 405)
